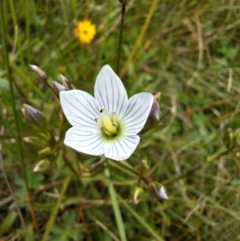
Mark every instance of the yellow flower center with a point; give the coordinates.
(109, 126)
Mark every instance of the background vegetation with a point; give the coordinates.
(189, 51)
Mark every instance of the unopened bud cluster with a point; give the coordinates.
(57, 87)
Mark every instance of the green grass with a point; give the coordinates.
(189, 51)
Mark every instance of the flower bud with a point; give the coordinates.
(155, 111)
(42, 165)
(64, 81)
(33, 115)
(154, 115)
(58, 87)
(34, 142)
(45, 151)
(138, 191)
(157, 191)
(39, 71)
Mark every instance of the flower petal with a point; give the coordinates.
(84, 141)
(136, 113)
(122, 148)
(109, 91)
(80, 108)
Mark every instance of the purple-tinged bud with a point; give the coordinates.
(58, 87)
(39, 71)
(157, 191)
(154, 115)
(64, 81)
(155, 111)
(33, 115)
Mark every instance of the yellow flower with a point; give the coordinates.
(85, 31)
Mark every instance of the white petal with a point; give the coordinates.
(136, 113)
(121, 148)
(80, 108)
(84, 141)
(109, 91)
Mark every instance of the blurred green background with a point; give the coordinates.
(189, 51)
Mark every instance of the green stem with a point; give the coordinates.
(173, 179)
(120, 35)
(8, 68)
(141, 221)
(14, 18)
(70, 166)
(144, 177)
(218, 154)
(27, 80)
(27, 15)
(116, 209)
(140, 37)
(55, 210)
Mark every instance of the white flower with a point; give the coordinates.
(109, 123)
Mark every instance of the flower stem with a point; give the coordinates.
(123, 2)
(144, 223)
(218, 154)
(55, 209)
(70, 166)
(140, 37)
(116, 209)
(19, 141)
(27, 15)
(144, 177)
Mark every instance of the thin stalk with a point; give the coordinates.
(116, 209)
(171, 180)
(55, 210)
(14, 18)
(218, 154)
(27, 80)
(140, 37)
(27, 15)
(74, 8)
(143, 222)
(8, 68)
(70, 165)
(144, 177)
(123, 2)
